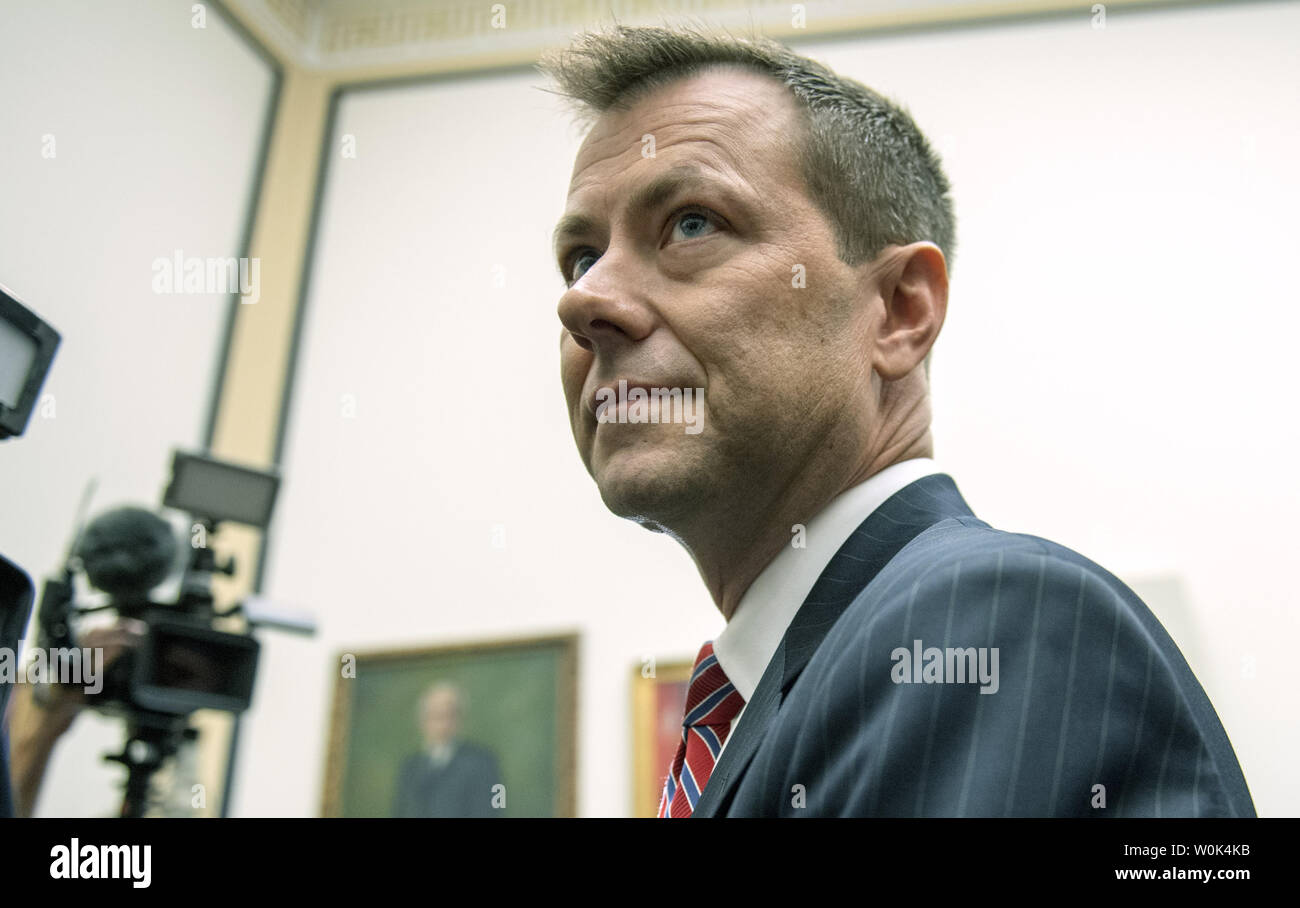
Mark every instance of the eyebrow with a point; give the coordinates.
(645, 198)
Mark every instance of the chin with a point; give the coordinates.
(652, 489)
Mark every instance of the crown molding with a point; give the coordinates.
(350, 37)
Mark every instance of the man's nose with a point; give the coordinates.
(602, 313)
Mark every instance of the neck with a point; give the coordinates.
(734, 548)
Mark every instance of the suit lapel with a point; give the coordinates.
(900, 519)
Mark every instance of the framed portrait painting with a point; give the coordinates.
(658, 702)
(474, 730)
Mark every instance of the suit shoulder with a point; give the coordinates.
(411, 764)
(1036, 601)
(1018, 568)
(1067, 631)
(1016, 674)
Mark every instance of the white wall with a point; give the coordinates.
(157, 129)
(1112, 373)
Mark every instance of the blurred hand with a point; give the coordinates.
(42, 713)
(115, 638)
(66, 700)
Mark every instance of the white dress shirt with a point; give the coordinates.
(440, 754)
(749, 641)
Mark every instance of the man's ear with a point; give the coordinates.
(913, 284)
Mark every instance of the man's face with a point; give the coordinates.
(705, 265)
(441, 717)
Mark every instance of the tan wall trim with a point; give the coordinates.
(257, 369)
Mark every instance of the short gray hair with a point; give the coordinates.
(867, 165)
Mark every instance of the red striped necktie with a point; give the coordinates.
(712, 702)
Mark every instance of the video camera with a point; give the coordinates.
(183, 662)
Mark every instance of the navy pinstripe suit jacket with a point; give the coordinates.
(1091, 690)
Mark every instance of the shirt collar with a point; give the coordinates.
(749, 641)
(441, 754)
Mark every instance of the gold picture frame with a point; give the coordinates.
(517, 710)
(658, 704)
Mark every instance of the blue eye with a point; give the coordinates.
(582, 262)
(692, 224)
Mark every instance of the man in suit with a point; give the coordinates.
(755, 254)
(450, 777)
